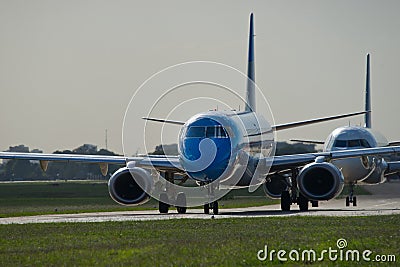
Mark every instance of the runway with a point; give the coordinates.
(384, 201)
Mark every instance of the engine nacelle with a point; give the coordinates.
(274, 187)
(320, 181)
(125, 186)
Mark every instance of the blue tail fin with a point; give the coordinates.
(368, 96)
(250, 91)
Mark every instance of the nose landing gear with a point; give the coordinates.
(213, 206)
(351, 198)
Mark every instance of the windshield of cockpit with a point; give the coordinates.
(351, 143)
(206, 132)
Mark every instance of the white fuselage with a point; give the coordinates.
(367, 169)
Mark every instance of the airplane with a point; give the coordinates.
(223, 150)
(365, 169)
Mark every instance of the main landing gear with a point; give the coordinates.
(290, 197)
(180, 201)
(163, 205)
(351, 198)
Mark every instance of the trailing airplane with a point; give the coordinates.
(367, 169)
(229, 149)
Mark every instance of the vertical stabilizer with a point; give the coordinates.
(250, 91)
(368, 96)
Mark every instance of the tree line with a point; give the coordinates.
(30, 170)
(14, 170)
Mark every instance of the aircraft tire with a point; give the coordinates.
(163, 207)
(206, 208)
(285, 201)
(303, 202)
(181, 202)
(215, 207)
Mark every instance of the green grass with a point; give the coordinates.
(21, 199)
(185, 242)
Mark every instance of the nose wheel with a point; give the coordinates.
(351, 198)
(214, 206)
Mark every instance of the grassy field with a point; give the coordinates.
(184, 242)
(19, 199)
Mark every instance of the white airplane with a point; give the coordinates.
(229, 149)
(366, 169)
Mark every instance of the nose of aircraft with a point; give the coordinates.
(205, 149)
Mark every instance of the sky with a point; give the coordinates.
(68, 69)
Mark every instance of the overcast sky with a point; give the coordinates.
(69, 68)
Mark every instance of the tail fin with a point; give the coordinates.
(250, 91)
(368, 96)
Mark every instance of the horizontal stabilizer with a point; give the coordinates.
(164, 121)
(307, 122)
(308, 141)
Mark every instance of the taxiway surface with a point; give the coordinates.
(385, 200)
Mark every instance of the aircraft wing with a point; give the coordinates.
(64, 157)
(172, 162)
(158, 162)
(289, 161)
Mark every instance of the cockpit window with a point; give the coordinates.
(364, 143)
(196, 131)
(221, 132)
(352, 143)
(215, 132)
(340, 143)
(209, 132)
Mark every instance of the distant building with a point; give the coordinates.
(20, 148)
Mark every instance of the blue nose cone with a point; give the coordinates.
(205, 149)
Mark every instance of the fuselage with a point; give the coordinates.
(226, 145)
(367, 169)
(223, 144)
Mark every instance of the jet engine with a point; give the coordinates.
(320, 181)
(126, 186)
(274, 186)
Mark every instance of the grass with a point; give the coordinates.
(185, 242)
(22, 199)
